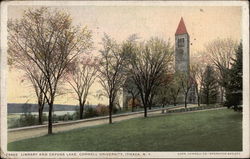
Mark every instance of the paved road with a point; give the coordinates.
(35, 131)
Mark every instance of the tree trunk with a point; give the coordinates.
(145, 111)
(186, 100)
(81, 111)
(198, 100)
(81, 104)
(40, 115)
(151, 101)
(144, 101)
(110, 112)
(50, 118)
(207, 98)
(40, 111)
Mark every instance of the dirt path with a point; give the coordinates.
(35, 131)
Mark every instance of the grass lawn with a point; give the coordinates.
(214, 130)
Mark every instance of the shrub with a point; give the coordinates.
(55, 118)
(90, 112)
(102, 109)
(27, 120)
(65, 117)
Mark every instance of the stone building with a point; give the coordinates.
(182, 58)
(182, 48)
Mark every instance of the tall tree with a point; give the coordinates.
(33, 76)
(47, 38)
(220, 53)
(234, 86)
(209, 86)
(149, 63)
(111, 70)
(39, 84)
(197, 68)
(196, 73)
(186, 84)
(81, 75)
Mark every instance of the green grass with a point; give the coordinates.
(214, 130)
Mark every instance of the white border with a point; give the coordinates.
(246, 111)
(245, 37)
(3, 82)
(129, 3)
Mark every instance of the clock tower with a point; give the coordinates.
(182, 58)
(182, 48)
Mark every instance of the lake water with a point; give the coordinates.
(55, 112)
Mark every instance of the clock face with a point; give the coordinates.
(179, 54)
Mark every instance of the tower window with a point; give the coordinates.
(181, 42)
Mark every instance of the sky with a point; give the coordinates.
(204, 24)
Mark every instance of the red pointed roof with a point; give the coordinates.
(181, 28)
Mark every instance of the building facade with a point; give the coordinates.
(182, 48)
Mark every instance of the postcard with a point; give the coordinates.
(124, 79)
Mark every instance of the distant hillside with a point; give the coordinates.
(27, 107)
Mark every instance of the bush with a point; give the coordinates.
(90, 112)
(65, 117)
(102, 109)
(55, 118)
(26, 119)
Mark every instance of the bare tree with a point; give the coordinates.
(198, 65)
(39, 84)
(81, 75)
(149, 63)
(34, 76)
(111, 70)
(221, 53)
(47, 38)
